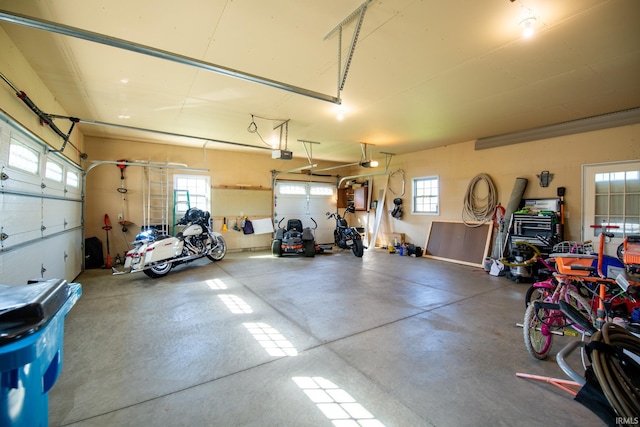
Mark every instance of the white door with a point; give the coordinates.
(611, 196)
(306, 201)
(41, 230)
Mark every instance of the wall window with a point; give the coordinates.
(617, 201)
(426, 196)
(23, 157)
(53, 171)
(199, 192)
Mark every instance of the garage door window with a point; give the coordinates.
(322, 190)
(72, 179)
(23, 157)
(298, 189)
(53, 171)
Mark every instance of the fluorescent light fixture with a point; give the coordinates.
(586, 124)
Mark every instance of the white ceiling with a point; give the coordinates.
(425, 73)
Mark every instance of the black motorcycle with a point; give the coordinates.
(346, 237)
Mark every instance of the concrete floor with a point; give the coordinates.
(333, 340)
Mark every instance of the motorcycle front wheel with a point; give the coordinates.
(358, 247)
(158, 270)
(219, 249)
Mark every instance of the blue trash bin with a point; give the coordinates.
(31, 341)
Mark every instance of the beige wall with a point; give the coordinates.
(456, 165)
(17, 70)
(226, 169)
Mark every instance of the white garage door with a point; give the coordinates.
(41, 210)
(303, 201)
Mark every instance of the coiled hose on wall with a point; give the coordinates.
(615, 374)
(476, 207)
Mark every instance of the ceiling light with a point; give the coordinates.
(369, 163)
(527, 25)
(366, 161)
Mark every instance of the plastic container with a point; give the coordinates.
(564, 263)
(31, 353)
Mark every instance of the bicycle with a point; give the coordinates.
(543, 288)
(603, 279)
(610, 345)
(543, 318)
(566, 307)
(613, 365)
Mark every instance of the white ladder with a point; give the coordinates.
(155, 198)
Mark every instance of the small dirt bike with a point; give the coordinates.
(346, 237)
(155, 254)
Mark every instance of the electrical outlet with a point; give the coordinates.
(120, 217)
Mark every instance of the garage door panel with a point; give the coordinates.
(29, 251)
(21, 181)
(53, 189)
(21, 219)
(307, 206)
(55, 258)
(59, 215)
(73, 241)
(29, 262)
(58, 257)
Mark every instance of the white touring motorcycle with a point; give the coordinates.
(155, 254)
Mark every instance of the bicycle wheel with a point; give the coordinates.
(537, 331)
(535, 293)
(583, 306)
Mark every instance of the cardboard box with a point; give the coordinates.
(396, 239)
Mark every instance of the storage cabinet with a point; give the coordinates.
(360, 198)
(345, 197)
(539, 230)
(353, 196)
